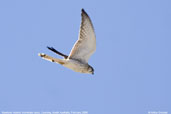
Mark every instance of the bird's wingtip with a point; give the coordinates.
(82, 10)
(41, 54)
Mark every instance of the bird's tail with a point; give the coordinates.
(57, 52)
(49, 58)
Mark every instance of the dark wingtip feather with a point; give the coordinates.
(57, 52)
(50, 47)
(83, 12)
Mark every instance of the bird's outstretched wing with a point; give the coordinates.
(85, 46)
(57, 52)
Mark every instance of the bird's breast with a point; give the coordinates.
(76, 66)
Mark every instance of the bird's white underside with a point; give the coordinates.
(84, 47)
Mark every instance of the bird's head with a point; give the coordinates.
(90, 69)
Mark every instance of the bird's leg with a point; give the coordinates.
(49, 58)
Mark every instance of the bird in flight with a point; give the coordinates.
(84, 47)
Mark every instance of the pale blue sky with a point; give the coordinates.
(132, 62)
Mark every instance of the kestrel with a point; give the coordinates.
(84, 47)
